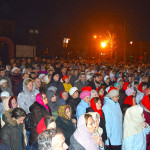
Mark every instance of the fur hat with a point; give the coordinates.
(112, 92)
(5, 93)
(14, 68)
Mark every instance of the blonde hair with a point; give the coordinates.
(28, 81)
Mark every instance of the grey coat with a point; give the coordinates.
(79, 85)
(26, 98)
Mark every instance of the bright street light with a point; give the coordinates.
(95, 36)
(103, 44)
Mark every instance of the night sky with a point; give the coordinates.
(77, 19)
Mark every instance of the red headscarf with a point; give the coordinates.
(125, 85)
(93, 106)
(41, 126)
(128, 100)
(87, 88)
(140, 87)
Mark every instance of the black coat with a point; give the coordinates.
(102, 124)
(122, 96)
(73, 103)
(67, 127)
(92, 85)
(10, 133)
(38, 112)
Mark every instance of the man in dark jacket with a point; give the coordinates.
(97, 81)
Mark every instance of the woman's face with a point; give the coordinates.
(52, 125)
(91, 125)
(53, 99)
(101, 92)
(115, 98)
(44, 98)
(98, 105)
(14, 103)
(118, 87)
(68, 113)
(76, 94)
(29, 86)
(20, 120)
(65, 96)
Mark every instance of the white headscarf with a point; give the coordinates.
(133, 121)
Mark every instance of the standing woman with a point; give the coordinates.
(100, 91)
(135, 129)
(39, 110)
(64, 122)
(96, 106)
(12, 131)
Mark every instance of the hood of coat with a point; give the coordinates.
(5, 103)
(9, 119)
(25, 87)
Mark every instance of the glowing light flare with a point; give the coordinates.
(103, 44)
(95, 36)
(131, 42)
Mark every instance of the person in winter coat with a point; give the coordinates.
(134, 129)
(56, 83)
(65, 123)
(73, 100)
(96, 106)
(74, 77)
(84, 138)
(45, 123)
(27, 97)
(100, 91)
(145, 104)
(12, 131)
(4, 87)
(15, 78)
(113, 117)
(85, 103)
(64, 98)
(39, 109)
(66, 83)
(81, 82)
(53, 102)
(4, 76)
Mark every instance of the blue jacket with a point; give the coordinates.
(113, 117)
(81, 108)
(136, 142)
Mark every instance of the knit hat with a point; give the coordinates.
(65, 77)
(129, 91)
(106, 77)
(72, 90)
(2, 81)
(112, 92)
(146, 91)
(146, 102)
(14, 68)
(49, 95)
(5, 93)
(52, 88)
(41, 126)
(88, 88)
(84, 94)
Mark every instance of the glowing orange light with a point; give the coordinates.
(103, 44)
(95, 36)
(131, 42)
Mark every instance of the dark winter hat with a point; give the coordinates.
(49, 95)
(54, 73)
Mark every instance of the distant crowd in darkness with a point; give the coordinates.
(75, 104)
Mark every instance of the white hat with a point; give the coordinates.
(111, 75)
(112, 93)
(105, 78)
(14, 68)
(88, 77)
(41, 76)
(5, 93)
(72, 90)
(2, 81)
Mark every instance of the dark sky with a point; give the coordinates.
(77, 19)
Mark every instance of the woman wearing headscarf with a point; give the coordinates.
(145, 103)
(134, 129)
(96, 106)
(64, 122)
(53, 102)
(38, 109)
(113, 117)
(44, 124)
(84, 137)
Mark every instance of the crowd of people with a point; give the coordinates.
(78, 104)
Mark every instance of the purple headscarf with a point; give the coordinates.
(83, 136)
